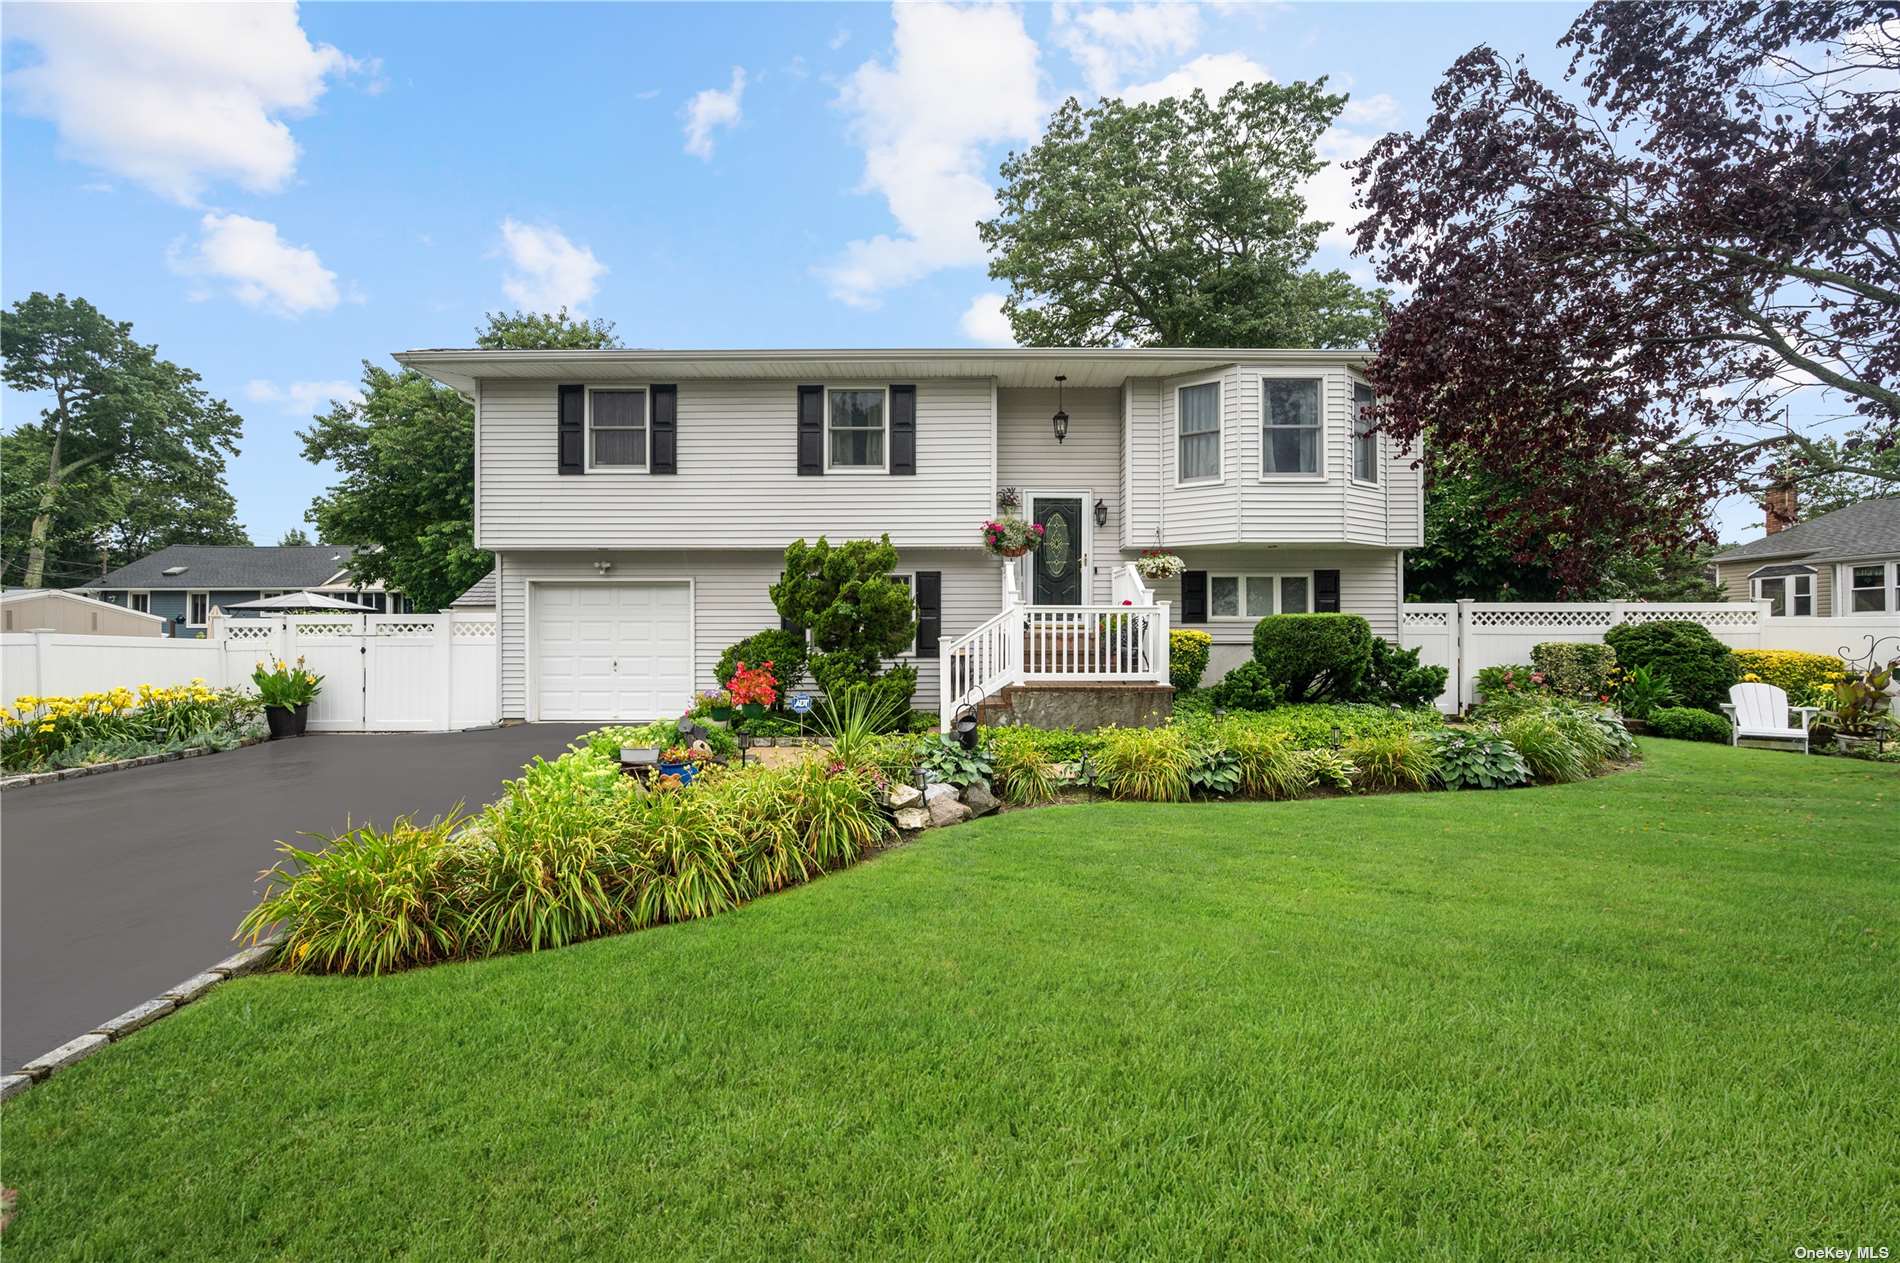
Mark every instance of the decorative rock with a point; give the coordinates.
(12, 1085)
(130, 1020)
(193, 987)
(68, 1053)
(937, 791)
(250, 960)
(901, 796)
(911, 819)
(947, 811)
(978, 799)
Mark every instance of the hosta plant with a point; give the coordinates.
(1326, 769)
(1477, 760)
(943, 758)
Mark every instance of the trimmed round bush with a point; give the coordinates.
(1314, 657)
(1685, 723)
(1246, 687)
(1188, 652)
(785, 650)
(1700, 667)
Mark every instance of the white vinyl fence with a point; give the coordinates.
(382, 672)
(1468, 636)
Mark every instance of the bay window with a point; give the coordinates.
(1365, 444)
(1197, 422)
(1788, 595)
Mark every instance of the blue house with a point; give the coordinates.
(185, 582)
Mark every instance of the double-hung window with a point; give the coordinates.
(1787, 595)
(617, 429)
(1873, 587)
(1197, 421)
(854, 419)
(1290, 426)
(1365, 444)
(197, 608)
(139, 602)
(1254, 596)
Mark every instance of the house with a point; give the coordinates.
(185, 582)
(480, 595)
(1844, 562)
(50, 609)
(639, 503)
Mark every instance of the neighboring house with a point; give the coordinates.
(1844, 562)
(480, 595)
(49, 609)
(639, 502)
(185, 582)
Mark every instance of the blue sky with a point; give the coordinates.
(339, 181)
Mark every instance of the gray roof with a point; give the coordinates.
(228, 567)
(1868, 529)
(480, 594)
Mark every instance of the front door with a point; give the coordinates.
(1056, 567)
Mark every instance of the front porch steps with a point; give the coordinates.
(1082, 705)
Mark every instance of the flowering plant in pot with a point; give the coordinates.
(1156, 563)
(753, 690)
(1008, 500)
(1012, 537)
(286, 691)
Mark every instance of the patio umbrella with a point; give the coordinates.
(303, 602)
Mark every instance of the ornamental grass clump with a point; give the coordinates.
(1399, 759)
(1268, 763)
(1145, 764)
(1024, 770)
(1546, 747)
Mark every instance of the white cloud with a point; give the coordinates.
(302, 398)
(839, 39)
(1108, 42)
(960, 78)
(1212, 73)
(260, 268)
(713, 109)
(174, 97)
(546, 271)
(984, 323)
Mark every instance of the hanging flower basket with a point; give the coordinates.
(1012, 537)
(1156, 564)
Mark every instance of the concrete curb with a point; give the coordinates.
(73, 1051)
(95, 769)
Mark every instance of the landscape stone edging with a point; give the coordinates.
(73, 1051)
(25, 779)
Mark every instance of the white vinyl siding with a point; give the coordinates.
(1029, 459)
(738, 484)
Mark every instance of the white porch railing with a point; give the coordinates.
(1128, 587)
(1080, 644)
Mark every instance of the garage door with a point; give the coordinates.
(612, 651)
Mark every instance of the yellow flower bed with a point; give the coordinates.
(34, 731)
(1790, 670)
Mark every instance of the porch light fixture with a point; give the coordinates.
(1101, 512)
(1061, 417)
(602, 567)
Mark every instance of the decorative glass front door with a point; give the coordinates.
(1056, 567)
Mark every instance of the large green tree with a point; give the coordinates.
(1177, 223)
(406, 452)
(127, 455)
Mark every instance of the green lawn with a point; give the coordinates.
(1658, 1012)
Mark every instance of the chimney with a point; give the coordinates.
(1781, 507)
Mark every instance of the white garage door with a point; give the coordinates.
(612, 651)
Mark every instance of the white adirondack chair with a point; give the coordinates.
(1759, 712)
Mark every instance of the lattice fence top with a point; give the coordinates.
(248, 631)
(1428, 618)
(405, 629)
(1570, 618)
(1738, 616)
(474, 629)
(326, 629)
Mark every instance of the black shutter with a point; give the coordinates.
(928, 589)
(665, 423)
(903, 429)
(571, 439)
(1326, 591)
(1194, 596)
(811, 430)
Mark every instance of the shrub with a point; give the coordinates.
(1149, 764)
(1311, 727)
(1188, 652)
(1571, 669)
(768, 726)
(1061, 745)
(1643, 692)
(1701, 667)
(1545, 746)
(1796, 674)
(1314, 657)
(1024, 769)
(857, 614)
(1477, 760)
(943, 758)
(1398, 759)
(1247, 687)
(1685, 723)
(785, 650)
(1507, 680)
(1394, 677)
(1326, 769)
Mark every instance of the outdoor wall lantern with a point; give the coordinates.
(1101, 513)
(1061, 417)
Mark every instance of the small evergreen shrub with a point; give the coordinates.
(1314, 657)
(1685, 723)
(785, 650)
(1394, 677)
(1699, 666)
(1580, 670)
(1188, 651)
(1398, 759)
(1247, 687)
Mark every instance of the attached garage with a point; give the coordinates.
(611, 651)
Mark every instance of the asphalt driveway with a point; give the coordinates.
(114, 887)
